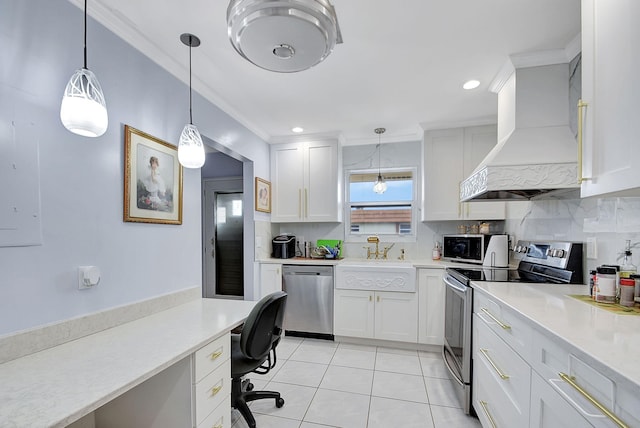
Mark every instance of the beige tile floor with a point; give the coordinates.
(329, 384)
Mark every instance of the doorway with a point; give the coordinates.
(223, 238)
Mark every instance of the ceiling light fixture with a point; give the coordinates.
(190, 148)
(471, 84)
(380, 186)
(284, 35)
(297, 129)
(83, 110)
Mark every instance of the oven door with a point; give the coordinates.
(457, 329)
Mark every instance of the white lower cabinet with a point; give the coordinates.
(194, 392)
(270, 278)
(522, 376)
(376, 315)
(503, 379)
(431, 297)
(549, 409)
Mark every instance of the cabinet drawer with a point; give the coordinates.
(209, 357)
(506, 377)
(220, 417)
(212, 390)
(505, 323)
(551, 358)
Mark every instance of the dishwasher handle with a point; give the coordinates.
(307, 270)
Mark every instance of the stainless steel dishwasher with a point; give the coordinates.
(309, 309)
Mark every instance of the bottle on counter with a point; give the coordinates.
(436, 254)
(592, 282)
(628, 268)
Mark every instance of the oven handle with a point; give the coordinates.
(454, 284)
(446, 362)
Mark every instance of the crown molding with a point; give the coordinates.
(478, 121)
(535, 59)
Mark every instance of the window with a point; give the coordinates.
(391, 213)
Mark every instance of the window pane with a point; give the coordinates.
(381, 219)
(399, 187)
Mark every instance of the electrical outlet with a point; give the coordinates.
(592, 248)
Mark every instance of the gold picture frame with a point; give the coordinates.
(263, 195)
(152, 179)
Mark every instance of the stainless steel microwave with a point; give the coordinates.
(465, 248)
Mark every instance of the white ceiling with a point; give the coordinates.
(401, 66)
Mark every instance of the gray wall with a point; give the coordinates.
(81, 179)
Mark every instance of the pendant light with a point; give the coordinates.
(380, 186)
(190, 147)
(83, 110)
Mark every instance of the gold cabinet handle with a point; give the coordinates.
(378, 298)
(220, 423)
(306, 203)
(571, 381)
(486, 412)
(215, 355)
(218, 426)
(215, 390)
(485, 352)
(582, 106)
(300, 203)
(500, 323)
(370, 297)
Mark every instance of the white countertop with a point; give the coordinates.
(59, 385)
(417, 263)
(608, 338)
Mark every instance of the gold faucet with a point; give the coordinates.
(386, 250)
(373, 240)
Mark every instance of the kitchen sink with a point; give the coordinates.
(376, 275)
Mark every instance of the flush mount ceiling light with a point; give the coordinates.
(190, 148)
(297, 129)
(283, 35)
(83, 110)
(471, 84)
(380, 186)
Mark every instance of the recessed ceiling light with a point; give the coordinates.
(471, 84)
(297, 129)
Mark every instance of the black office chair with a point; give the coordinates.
(254, 350)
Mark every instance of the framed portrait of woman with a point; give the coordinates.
(152, 179)
(263, 195)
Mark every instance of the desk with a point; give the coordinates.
(59, 385)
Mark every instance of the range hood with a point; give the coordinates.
(536, 153)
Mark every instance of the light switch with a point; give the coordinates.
(592, 248)
(88, 276)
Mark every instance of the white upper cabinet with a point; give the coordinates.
(306, 182)
(450, 157)
(610, 60)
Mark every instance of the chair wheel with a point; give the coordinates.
(250, 386)
(279, 402)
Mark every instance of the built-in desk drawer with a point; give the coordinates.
(212, 390)
(209, 357)
(220, 417)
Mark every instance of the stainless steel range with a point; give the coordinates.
(539, 262)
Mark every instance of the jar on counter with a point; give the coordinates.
(636, 292)
(473, 229)
(605, 285)
(627, 289)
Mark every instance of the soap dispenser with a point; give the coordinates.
(628, 268)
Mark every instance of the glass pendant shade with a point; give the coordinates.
(380, 186)
(190, 148)
(83, 110)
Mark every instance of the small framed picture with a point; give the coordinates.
(263, 195)
(152, 179)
